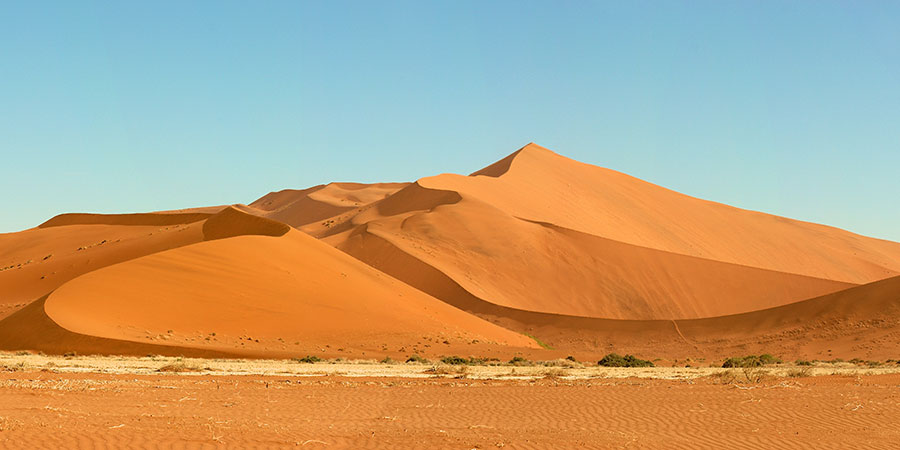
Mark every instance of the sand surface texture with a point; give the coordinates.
(53, 410)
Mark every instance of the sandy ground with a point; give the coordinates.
(94, 402)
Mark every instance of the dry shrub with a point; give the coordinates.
(744, 375)
(178, 368)
(555, 373)
(725, 377)
(447, 370)
(800, 372)
(754, 374)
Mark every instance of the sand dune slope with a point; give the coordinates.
(543, 186)
(860, 322)
(261, 294)
(302, 207)
(539, 232)
(36, 261)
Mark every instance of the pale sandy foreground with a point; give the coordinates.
(93, 402)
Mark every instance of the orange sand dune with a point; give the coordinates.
(36, 261)
(539, 232)
(584, 258)
(546, 268)
(298, 208)
(860, 322)
(281, 291)
(542, 186)
(39, 260)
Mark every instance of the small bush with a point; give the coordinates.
(555, 373)
(803, 362)
(459, 360)
(308, 359)
(454, 360)
(459, 370)
(387, 360)
(519, 361)
(417, 359)
(615, 360)
(800, 373)
(178, 367)
(571, 358)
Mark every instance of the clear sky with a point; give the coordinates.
(788, 107)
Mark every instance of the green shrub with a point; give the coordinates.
(615, 360)
(417, 359)
(803, 362)
(519, 361)
(454, 360)
(308, 359)
(459, 360)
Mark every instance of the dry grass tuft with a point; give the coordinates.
(179, 367)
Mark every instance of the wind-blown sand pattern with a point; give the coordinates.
(536, 257)
(55, 410)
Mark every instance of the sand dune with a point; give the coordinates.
(260, 294)
(540, 185)
(539, 232)
(546, 268)
(583, 258)
(302, 207)
(39, 260)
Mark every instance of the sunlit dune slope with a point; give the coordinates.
(543, 186)
(36, 261)
(278, 290)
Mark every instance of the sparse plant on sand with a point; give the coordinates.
(801, 372)
(417, 359)
(447, 370)
(308, 359)
(616, 360)
(179, 367)
(459, 360)
(519, 361)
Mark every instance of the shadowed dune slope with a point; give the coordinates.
(545, 268)
(861, 321)
(275, 289)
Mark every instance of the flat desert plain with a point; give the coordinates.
(106, 402)
(505, 287)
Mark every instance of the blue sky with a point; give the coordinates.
(791, 108)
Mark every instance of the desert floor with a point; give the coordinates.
(104, 402)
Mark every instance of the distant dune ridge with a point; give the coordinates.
(533, 251)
